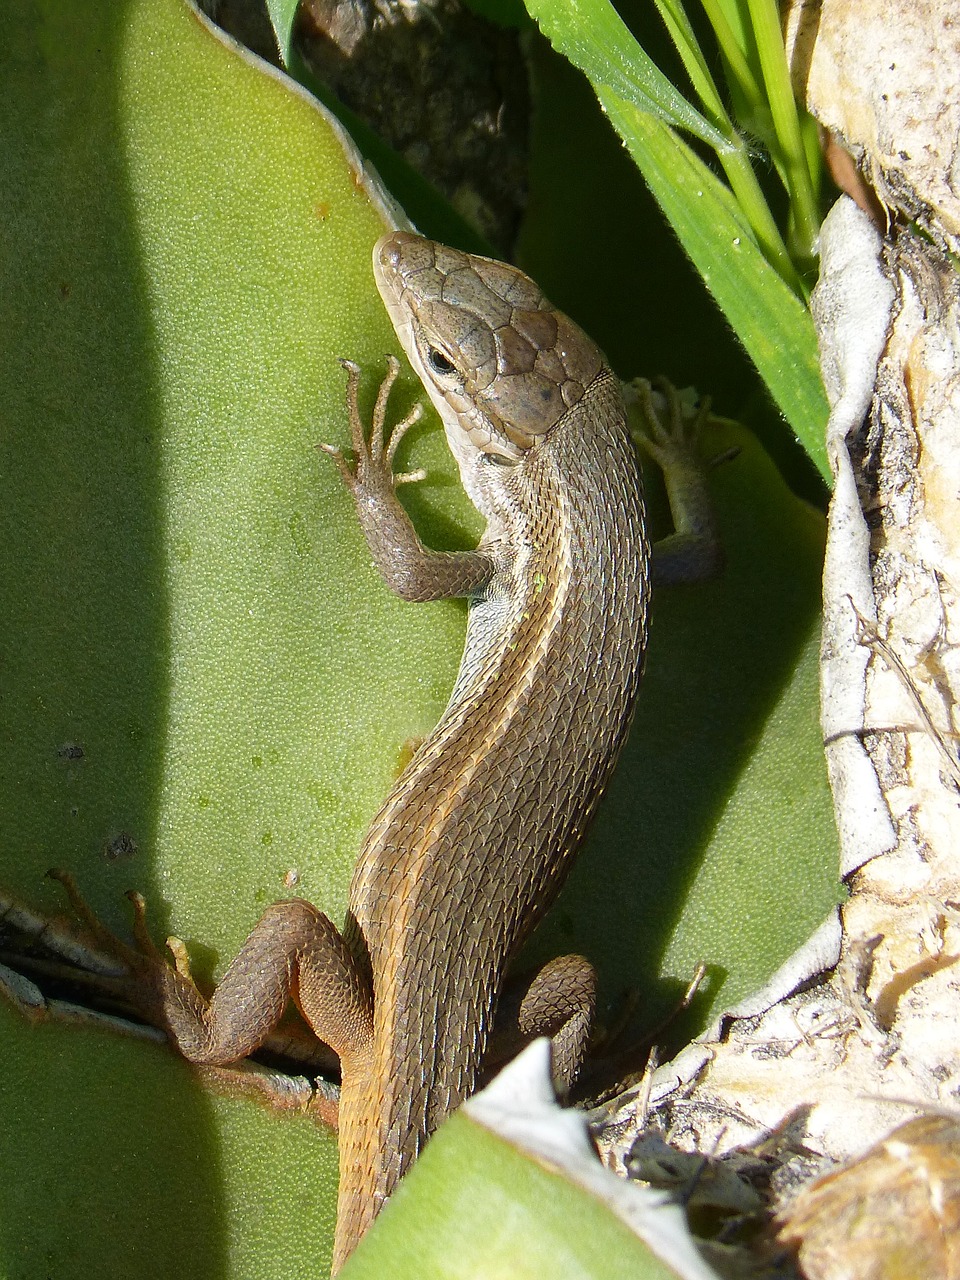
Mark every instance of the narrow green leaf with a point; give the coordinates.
(734, 159)
(733, 51)
(604, 48)
(685, 42)
(771, 322)
(282, 14)
(786, 121)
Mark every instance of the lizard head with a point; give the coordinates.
(501, 364)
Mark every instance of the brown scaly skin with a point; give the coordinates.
(474, 841)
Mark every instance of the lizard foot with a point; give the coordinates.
(666, 423)
(144, 973)
(74, 969)
(667, 426)
(79, 972)
(373, 453)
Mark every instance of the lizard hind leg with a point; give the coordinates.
(559, 1002)
(293, 952)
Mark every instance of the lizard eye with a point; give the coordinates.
(439, 362)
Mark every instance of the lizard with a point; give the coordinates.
(474, 841)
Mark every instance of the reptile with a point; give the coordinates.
(474, 840)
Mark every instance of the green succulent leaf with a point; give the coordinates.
(207, 691)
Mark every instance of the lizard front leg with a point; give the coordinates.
(667, 427)
(411, 570)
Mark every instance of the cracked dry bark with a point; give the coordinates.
(870, 1043)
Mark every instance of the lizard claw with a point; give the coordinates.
(409, 477)
(343, 466)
